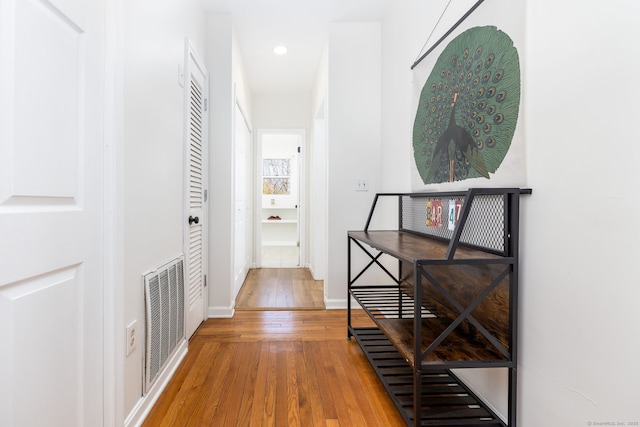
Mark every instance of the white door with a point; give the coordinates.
(242, 208)
(196, 94)
(51, 212)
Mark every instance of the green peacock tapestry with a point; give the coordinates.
(468, 108)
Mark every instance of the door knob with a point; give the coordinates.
(193, 219)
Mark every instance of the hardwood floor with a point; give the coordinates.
(276, 368)
(280, 289)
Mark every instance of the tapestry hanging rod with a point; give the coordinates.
(460, 21)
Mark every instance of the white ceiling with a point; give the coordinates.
(300, 25)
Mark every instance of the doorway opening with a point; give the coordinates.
(280, 202)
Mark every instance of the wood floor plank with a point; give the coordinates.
(292, 385)
(269, 417)
(260, 391)
(280, 289)
(284, 290)
(185, 388)
(242, 366)
(329, 386)
(212, 391)
(275, 368)
(358, 411)
(248, 390)
(306, 391)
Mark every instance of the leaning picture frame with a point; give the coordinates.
(464, 135)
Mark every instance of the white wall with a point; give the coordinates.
(578, 288)
(219, 41)
(318, 172)
(318, 195)
(404, 31)
(354, 150)
(243, 94)
(153, 43)
(224, 62)
(281, 111)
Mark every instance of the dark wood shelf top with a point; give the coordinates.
(410, 247)
(457, 348)
(465, 345)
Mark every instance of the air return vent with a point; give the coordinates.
(164, 303)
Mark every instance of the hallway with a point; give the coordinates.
(275, 368)
(280, 289)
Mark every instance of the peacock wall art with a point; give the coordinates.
(468, 108)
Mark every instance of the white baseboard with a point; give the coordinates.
(335, 304)
(310, 267)
(314, 274)
(340, 304)
(220, 312)
(146, 402)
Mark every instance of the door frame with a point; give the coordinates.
(192, 58)
(302, 190)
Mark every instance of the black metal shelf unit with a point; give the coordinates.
(452, 301)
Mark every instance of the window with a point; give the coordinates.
(276, 176)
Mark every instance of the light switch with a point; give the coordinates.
(362, 185)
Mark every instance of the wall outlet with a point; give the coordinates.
(131, 337)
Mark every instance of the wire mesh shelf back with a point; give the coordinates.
(484, 228)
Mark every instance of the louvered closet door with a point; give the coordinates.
(196, 153)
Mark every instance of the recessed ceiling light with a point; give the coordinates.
(279, 50)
